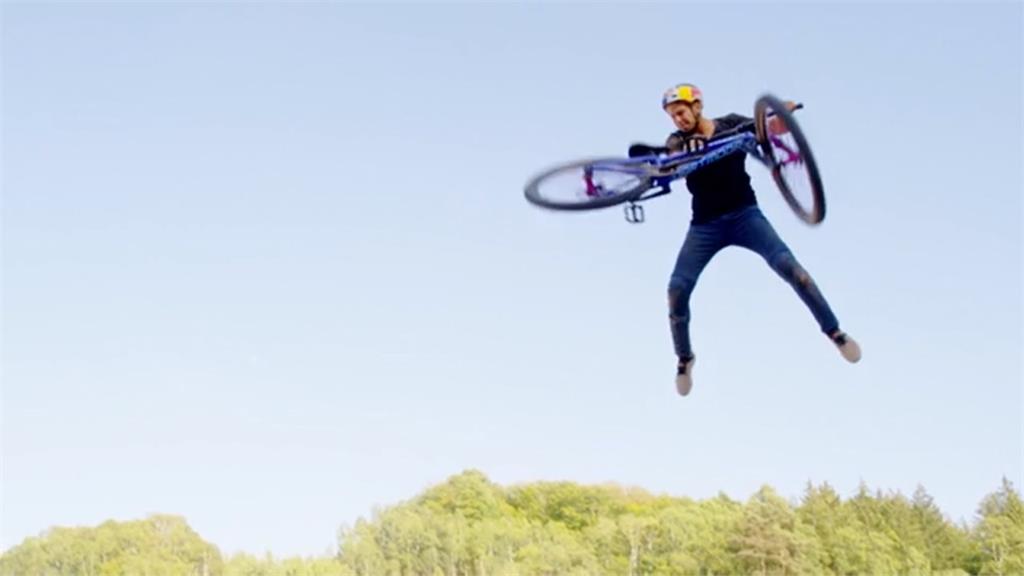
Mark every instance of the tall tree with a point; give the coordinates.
(766, 541)
(1000, 532)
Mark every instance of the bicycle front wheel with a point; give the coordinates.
(789, 155)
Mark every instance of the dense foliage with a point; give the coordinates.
(471, 526)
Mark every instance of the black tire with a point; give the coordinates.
(633, 187)
(809, 205)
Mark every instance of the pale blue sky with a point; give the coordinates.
(268, 266)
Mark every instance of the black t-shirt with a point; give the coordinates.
(722, 186)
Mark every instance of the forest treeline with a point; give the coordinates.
(470, 526)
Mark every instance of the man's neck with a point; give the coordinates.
(705, 127)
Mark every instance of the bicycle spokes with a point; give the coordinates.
(792, 155)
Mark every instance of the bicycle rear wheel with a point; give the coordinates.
(588, 184)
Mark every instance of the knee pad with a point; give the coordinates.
(678, 299)
(679, 285)
(786, 265)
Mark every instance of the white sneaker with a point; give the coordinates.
(684, 376)
(848, 347)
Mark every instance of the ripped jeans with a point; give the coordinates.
(750, 229)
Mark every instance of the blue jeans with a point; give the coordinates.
(750, 229)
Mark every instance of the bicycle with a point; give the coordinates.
(773, 137)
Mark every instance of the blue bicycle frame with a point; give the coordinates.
(684, 163)
(662, 170)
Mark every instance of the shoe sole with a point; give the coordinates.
(683, 387)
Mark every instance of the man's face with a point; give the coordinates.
(685, 114)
